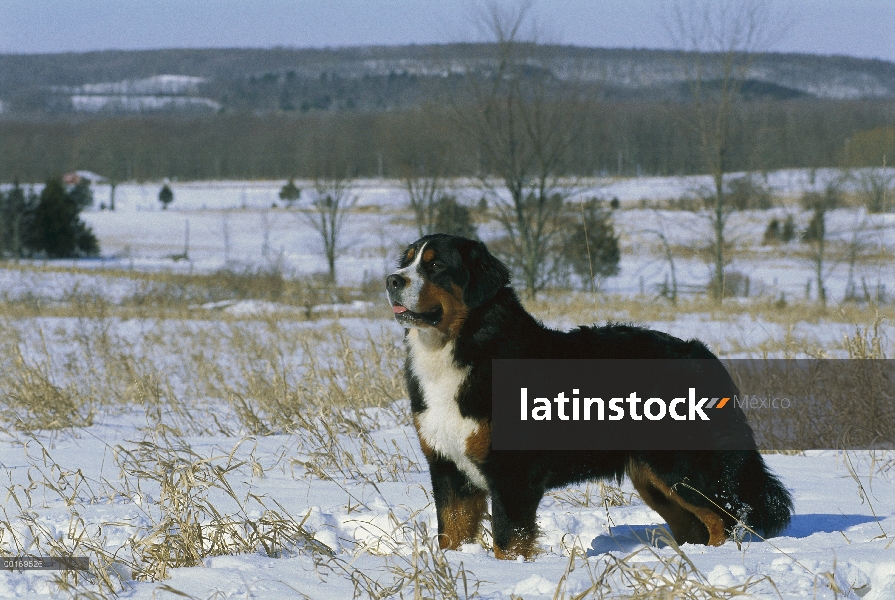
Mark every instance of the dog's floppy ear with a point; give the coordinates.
(487, 275)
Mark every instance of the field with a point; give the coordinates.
(226, 424)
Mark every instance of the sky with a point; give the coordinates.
(862, 28)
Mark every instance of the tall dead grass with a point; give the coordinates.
(800, 404)
(337, 386)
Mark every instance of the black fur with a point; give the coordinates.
(497, 326)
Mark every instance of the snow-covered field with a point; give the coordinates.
(243, 224)
(838, 545)
(247, 448)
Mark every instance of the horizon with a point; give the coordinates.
(421, 45)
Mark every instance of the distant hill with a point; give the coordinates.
(381, 78)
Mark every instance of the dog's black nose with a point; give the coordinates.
(394, 283)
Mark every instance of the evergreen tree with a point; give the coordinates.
(592, 247)
(16, 211)
(453, 218)
(165, 196)
(289, 193)
(56, 229)
(82, 195)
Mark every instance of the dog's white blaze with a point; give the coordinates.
(441, 424)
(416, 282)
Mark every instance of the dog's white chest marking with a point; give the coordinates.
(441, 425)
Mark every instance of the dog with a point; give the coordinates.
(453, 298)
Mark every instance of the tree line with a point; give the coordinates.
(614, 138)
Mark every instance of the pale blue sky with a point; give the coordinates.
(861, 28)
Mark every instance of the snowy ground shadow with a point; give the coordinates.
(802, 526)
(626, 538)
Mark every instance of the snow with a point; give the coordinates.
(833, 531)
(138, 103)
(158, 84)
(58, 484)
(134, 95)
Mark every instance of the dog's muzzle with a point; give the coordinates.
(395, 285)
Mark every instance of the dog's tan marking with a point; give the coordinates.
(428, 452)
(410, 254)
(688, 523)
(478, 445)
(454, 310)
(428, 255)
(521, 544)
(461, 518)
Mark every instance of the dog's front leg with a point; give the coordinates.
(514, 521)
(459, 504)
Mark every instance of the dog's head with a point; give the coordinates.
(440, 279)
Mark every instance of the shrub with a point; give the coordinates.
(735, 285)
(745, 193)
(876, 187)
(777, 232)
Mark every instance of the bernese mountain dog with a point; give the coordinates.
(454, 301)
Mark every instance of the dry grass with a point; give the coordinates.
(824, 398)
(167, 294)
(183, 527)
(645, 574)
(415, 567)
(187, 526)
(196, 372)
(585, 308)
(605, 494)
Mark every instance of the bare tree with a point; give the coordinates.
(225, 232)
(332, 198)
(265, 235)
(816, 233)
(422, 163)
(669, 289)
(720, 39)
(524, 130)
(424, 190)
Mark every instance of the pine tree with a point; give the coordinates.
(15, 213)
(57, 230)
(165, 196)
(289, 193)
(82, 195)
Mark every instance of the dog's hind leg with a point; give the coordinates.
(514, 522)
(688, 523)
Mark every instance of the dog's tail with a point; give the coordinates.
(769, 502)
